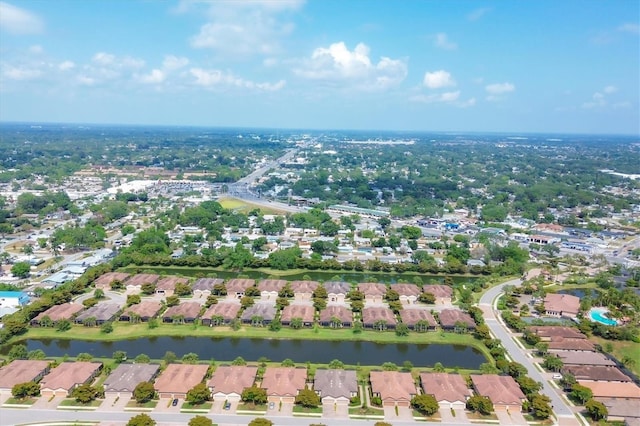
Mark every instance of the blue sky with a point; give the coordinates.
(514, 66)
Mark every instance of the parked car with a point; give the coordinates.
(271, 405)
(557, 376)
(227, 405)
(174, 402)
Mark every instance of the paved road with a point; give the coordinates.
(560, 407)
(10, 417)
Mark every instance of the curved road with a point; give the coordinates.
(563, 411)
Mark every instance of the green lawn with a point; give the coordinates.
(249, 406)
(301, 409)
(20, 401)
(203, 406)
(622, 349)
(148, 404)
(71, 402)
(368, 411)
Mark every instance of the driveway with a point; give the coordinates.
(335, 411)
(448, 417)
(404, 414)
(44, 403)
(165, 406)
(111, 404)
(506, 418)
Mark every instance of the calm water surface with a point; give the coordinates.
(227, 349)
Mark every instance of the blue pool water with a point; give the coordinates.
(598, 316)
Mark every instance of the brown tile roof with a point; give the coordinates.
(229, 379)
(139, 279)
(499, 389)
(21, 371)
(60, 312)
(613, 389)
(620, 407)
(407, 289)
(412, 316)
(226, 310)
(144, 309)
(445, 387)
(596, 373)
(449, 318)
(126, 377)
(571, 345)
(204, 284)
(180, 378)
(337, 287)
(271, 285)
(305, 312)
(335, 383)
(103, 311)
(105, 280)
(169, 283)
(304, 286)
(372, 289)
(557, 331)
(239, 285)
(340, 312)
(565, 303)
(264, 310)
(189, 310)
(393, 385)
(438, 290)
(373, 314)
(583, 358)
(69, 374)
(284, 381)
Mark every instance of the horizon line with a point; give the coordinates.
(202, 126)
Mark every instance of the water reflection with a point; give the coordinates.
(349, 352)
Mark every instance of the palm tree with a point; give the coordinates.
(628, 361)
(380, 325)
(46, 321)
(134, 318)
(296, 323)
(90, 322)
(335, 322)
(257, 321)
(422, 326)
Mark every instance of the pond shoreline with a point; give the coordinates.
(128, 332)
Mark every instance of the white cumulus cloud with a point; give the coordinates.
(156, 76)
(610, 89)
(22, 73)
(66, 65)
(438, 79)
(629, 28)
(242, 28)
(221, 79)
(436, 97)
(171, 62)
(441, 40)
(339, 64)
(18, 21)
(500, 88)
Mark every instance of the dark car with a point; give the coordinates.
(227, 405)
(174, 402)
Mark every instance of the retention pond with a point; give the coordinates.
(227, 349)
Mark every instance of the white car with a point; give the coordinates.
(557, 376)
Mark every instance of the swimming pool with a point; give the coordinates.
(597, 315)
